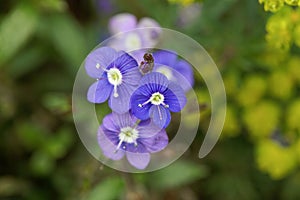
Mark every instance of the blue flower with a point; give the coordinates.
(155, 98)
(122, 134)
(174, 69)
(117, 77)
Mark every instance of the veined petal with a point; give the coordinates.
(99, 91)
(175, 97)
(157, 142)
(108, 148)
(148, 130)
(121, 103)
(124, 62)
(139, 148)
(160, 116)
(138, 160)
(98, 60)
(155, 78)
(122, 22)
(136, 100)
(132, 77)
(110, 123)
(123, 120)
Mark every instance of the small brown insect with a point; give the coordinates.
(146, 66)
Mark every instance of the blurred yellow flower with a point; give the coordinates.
(182, 2)
(281, 84)
(261, 119)
(293, 116)
(272, 5)
(293, 2)
(252, 90)
(274, 159)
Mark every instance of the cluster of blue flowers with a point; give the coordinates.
(141, 97)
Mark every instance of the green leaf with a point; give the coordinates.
(109, 189)
(41, 164)
(15, 30)
(31, 135)
(179, 173)
(58, 145)
(27, 60)
(68, 40)
(57, 102)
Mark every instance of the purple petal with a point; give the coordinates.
(155, 78)
(128, 41)
(148, 130)
(121, 103)
(132, 77)
(147, 22)
(99, 91)
(150, 30)
(98, 60)
(185, 69)
(138, 55)
(160, 116)
(108, 148)
(139, 148)
(110, 123)
(139, 98)
(157, 142)
(124, 62)
(175, 97)
(138, 160)
(123, 120)
(164, 57)
(122, 22)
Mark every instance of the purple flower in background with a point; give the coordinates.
(179, 71)
(139, 35)
(105, 6)
(120, 134)
(155, 98)
(122, 22)
(117, 77)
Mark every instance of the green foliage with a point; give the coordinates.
(177, 174)
(15, 30)
(109, 189)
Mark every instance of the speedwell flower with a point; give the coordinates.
(135, 35)
(117, 77)
(155, 98)
(122, 134)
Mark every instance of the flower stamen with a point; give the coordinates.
(156, 99)
(159, 113)
(129, 135)
(115, 78)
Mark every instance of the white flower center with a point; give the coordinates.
(165, 71)
(129, 135)
(133, 41)
(114, 77)
(156, 99)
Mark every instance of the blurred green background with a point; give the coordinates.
(42, 45)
